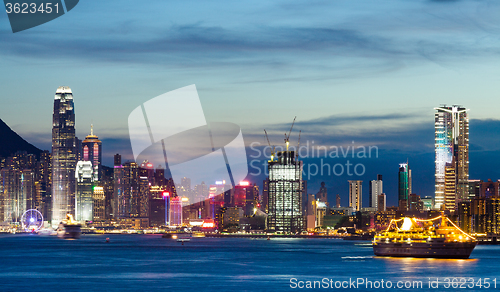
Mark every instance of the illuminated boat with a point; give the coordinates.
(433, 238)
(69, 229)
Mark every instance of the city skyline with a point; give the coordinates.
(372, 84)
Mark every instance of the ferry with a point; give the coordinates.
(432, 238)
(69, 229)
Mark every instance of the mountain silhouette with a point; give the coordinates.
(11, 142)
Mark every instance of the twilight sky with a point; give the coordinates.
(364, 71)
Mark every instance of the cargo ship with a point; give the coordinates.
(432, 238)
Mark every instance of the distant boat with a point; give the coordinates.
(179, 236)
(69, 229)
(432, 238)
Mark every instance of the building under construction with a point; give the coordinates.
(285, 213)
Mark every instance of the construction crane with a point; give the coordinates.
(298, 144)
(287, 137)
(270, 147)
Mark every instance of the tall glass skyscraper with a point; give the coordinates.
(285, 194)
(452, 150)
(64, 155)
(84, 202)
(404, 185)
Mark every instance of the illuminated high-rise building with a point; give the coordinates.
(64, 155)
(404, 189)
(285, 194)
(129, 202)
(99, 198)
(376, 189)
(118, 210)
(355, 194)
(92, 151)
(451, 147)
(84, 199)
(176, 211)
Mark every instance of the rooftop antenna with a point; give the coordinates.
(287, 137)
(273, 147)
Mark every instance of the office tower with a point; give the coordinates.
(404, 189)
(474, 188)
(129, 203)
(159, 176)
(376, 189)
(485, 214)
(451, 147)
(146, 179)
(265, 196)
(92, 151)
(99, 198)
(201, 191)
(18, 186)
(450, 186)
(44, 180)
(166, 197)
(157, 206)
(381, 203)
(84, 199)
(338, 201)
(355, 194)
(176, 211)
(186, 183)
(64, 155)
(415, 203)
(246, 196)
(322, 195)
(118, 187)
(285, 194)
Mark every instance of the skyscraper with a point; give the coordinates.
(92, 151)
(355, 194)
(285, 194)
(64, 155)
(404, 190)
(322, 195)
(118, 211)
(451, 147)
(376, 189)
(84, 201)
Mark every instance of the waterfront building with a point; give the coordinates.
(118, 208)
(246, 196)
(92, 151)
(129, 203)
(285, 205)
(452, 150)
(381, 203)
(84, 199)
(176, 211)
(404, 189)
(64, 155)
(376, 189)
(99, 207)
(355, 194)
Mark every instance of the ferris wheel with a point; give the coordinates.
(32, 220)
